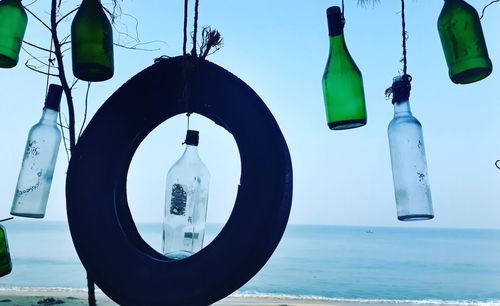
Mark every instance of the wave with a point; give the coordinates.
(315, 298)
(288, 297)
(6, 289)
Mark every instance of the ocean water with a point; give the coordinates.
(455, 266)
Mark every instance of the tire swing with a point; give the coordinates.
(106, 239)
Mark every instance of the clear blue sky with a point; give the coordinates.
(280, 48)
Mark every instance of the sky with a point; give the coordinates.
(280, 48)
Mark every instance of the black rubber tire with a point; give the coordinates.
(126, 268)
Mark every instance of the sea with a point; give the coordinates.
(330, 263)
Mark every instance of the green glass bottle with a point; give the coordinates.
(13, 22)
(342, 80)
(463, 42)
(5, 262)
(92, 43)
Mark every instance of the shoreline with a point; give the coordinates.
(21, 296)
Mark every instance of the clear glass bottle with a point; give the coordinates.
(13, 22)
(40, 155)
(463, 42)
(342, 81)
(92, 43)
(186, 201)
(409, 165)
(5, 261)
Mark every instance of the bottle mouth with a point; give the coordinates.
(192, 138)
(53, 100)
(401, 86)
(335, 21)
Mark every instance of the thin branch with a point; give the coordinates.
(35, 58)
(85, 111)
(65, 142)
(74, 83)
(65, 16)
(29, 4)
(34, 68)
(35, 46)
(62, 76)
(134, 47)
(36, 17)
(484, 8)
(364, 3)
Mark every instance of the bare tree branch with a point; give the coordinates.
(65, 16)
(36, 17)
(34, 68)
(484, 8)
(35, 46)
(62, 76)
(85, 111)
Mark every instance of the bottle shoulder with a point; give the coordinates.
(90, 16)
(456, 11)
(44, 129)
(191, 165)
(406, 120)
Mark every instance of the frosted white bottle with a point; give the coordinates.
(186, 201)
(409, 165)
(40, 155)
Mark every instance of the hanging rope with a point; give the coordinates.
(195, 31)
(406, 78)
(211, 40)
(184, 43)
(343, 17)
(497, 164)
(405, 37)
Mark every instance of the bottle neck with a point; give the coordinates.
(191, 152)
(402, 108)
(337, 44)
(49, 116)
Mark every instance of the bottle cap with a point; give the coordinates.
(192, 138)
(335, 21)
(401, 87)
(53, 99)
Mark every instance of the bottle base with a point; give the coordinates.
(27, 215)
(7, 62)
(417, 217)
(178, 255)
(93, 72)
(346, 124)
(470, 76)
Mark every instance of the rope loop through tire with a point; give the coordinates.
(106, 239)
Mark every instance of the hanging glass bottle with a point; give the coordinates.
(463, 42)
(92, 43)
(5, 261)
(409, 165)
(342, 81)
(13, 21)
(40, 155)
(186, 200)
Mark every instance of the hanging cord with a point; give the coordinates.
(497, 164)
(405, 77)
(343, 17)
(195, 31)
(184, 43)
(405, 38)
(211, 40)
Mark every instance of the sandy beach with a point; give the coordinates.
(48, 297)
